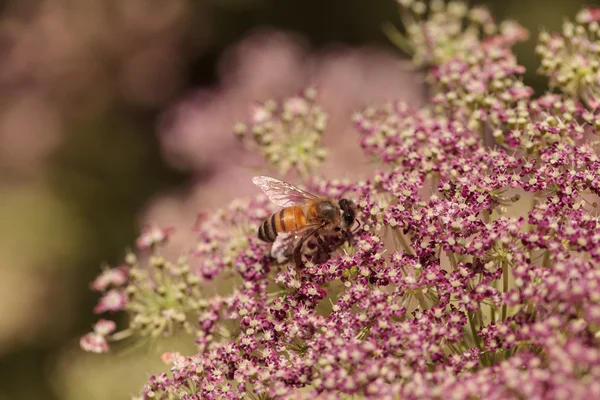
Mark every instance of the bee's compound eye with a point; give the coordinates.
(343, 204)
(348, 218)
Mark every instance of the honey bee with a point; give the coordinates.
(303, 215)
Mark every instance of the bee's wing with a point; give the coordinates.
(282, 193)
(283, 245)
(286, 241)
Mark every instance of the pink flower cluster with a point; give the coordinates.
(444, 292)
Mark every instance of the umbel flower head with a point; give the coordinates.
(475, 272)
(570, 59)
(288, 133)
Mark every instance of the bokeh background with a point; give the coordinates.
(114, 113)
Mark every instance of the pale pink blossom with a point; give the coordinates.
(113, 300)
(152, 235)
(104, 327)
(94, 342)
(110, 277)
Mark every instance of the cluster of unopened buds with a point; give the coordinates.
(475, 272)
(288, 133)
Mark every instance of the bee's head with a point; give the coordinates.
(348, 213)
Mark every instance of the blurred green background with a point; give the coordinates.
(83, 86)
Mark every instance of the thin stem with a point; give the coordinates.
(396, 37)
(433, 298)
(473, 330)
(504, 288)
(452, 348)
(121, 335)
(452, 260)
(435, 179)
(422, 301)
(533, 203)
(479, 316)
(486, 216)
(546, 261)
(403, 242)
(513, 352)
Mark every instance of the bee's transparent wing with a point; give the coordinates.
(285, 242)
(284, 245)
(282, 193)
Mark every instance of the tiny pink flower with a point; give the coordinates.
(590, 14)
(201, 218)
(152, 235)
(104, 327)
(513, 32)
(296, 105)
(170, 357)
(94, 343)
(110, 277)
(112, 301)
(260, 113)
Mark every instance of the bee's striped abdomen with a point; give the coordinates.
(268, 229)
(285, 220)
(293, 218)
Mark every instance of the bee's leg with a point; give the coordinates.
(358, 227)
(298, 249)
(349, 237)
(298, 255)
(320, 240)
(345, 233)
(321, 243)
